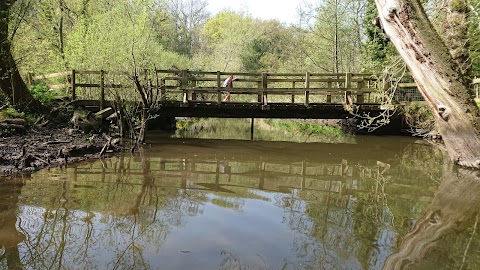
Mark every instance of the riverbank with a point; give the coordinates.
(50, 146)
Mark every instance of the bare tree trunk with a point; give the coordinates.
(438, 77)
(11, 83)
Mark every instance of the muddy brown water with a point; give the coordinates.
(226, 204)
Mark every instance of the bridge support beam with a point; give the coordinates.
(252, 125)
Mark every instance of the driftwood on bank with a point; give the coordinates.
(438, 77)
(15, 125)
(89, 122)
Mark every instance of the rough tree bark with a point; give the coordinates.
(437, 75)
(11, 83)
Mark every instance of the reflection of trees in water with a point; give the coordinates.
(358, 227)
(421, 163)
(347, 221)
(139, 215)
(9, 236)
(445, 236)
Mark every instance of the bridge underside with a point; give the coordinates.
(251, 110)
(272, 110)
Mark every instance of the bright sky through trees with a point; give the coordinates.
(283, 10)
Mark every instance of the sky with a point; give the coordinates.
(283, 10)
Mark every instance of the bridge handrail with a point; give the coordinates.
(191, 83)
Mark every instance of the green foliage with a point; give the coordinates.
(94, 35)
(254, 51)
(474, 35)
(377, 47)
(42, 93)
(10, 112)
(224, 37)
(308, 128)
(265, 129)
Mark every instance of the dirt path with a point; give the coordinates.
(48, 146)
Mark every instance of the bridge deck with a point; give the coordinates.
(250, 110)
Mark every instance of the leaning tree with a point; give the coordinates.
(11, 83)
(438, 76)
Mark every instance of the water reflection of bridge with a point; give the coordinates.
(331, 204)
(342, 178)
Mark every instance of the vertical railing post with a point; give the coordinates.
(259, 86)
(348, 85)
(72, 82)
(194, 93)
(252, 128)
(386, 88)
(219, 85)
(163, 91)
(307, 87)
(329, 97)
(156, 85)
(184, 86)
(102, 89)
(360, 96)
(264, 88)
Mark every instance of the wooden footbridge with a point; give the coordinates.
(186, 93)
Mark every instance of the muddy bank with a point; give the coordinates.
(50, 146)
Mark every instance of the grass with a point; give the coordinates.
(265, 129)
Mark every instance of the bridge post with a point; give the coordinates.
(102, 89)
(264, 88)
(219, 85)
(184, 86)
(156, 84)
(72, 82)
(386, 87)
(307, 86)
(162, 90)
(360, 96)
(194, 94)
(348, 85)
(329, 97)
(252, 126)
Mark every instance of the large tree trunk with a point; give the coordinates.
(11, 83)
(438, 77)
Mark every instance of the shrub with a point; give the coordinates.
(42, 93)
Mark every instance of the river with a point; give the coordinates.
(237, 204)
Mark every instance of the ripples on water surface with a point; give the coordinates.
(212, 204)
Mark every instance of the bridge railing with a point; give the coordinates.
(201, 86)
(89, 85)
(197, 86)
(476, 87)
